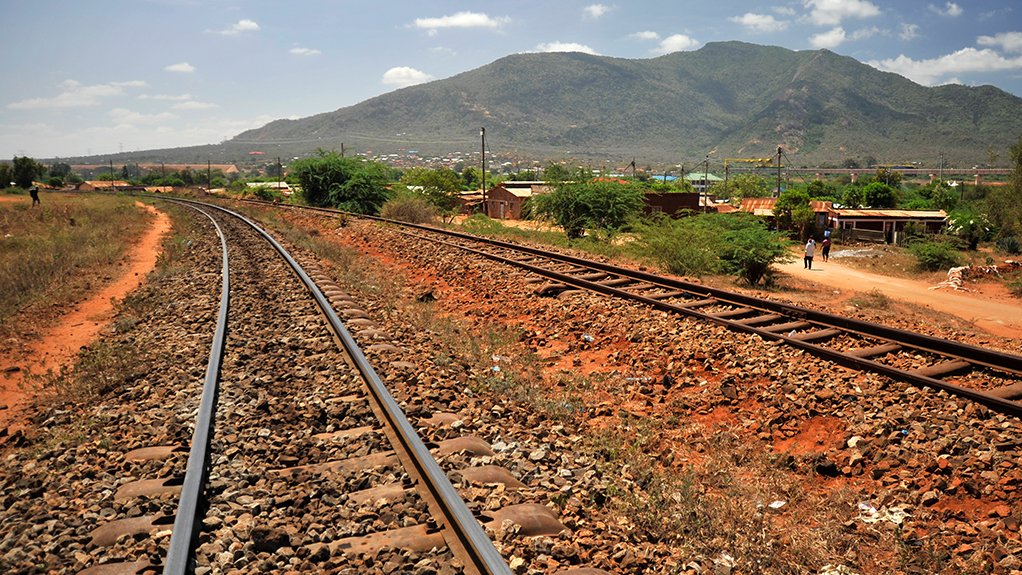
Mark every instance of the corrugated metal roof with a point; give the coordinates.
(889, 214)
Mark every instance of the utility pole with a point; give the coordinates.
(342, 149)
(941, 169)
(280, 170)
(706, 176)
(778, 172)
(482, 176)
(209, 176)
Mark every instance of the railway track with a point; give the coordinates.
(301, 460)
(989, 377)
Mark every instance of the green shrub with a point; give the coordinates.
(409, 208)
(730, 243)
(1010, 245)
(268, 194)
(933, 256)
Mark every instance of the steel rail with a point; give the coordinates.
(463, 523)
(180, 558)
(992, 401)
(974, 355)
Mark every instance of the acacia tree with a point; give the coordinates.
(352, 184)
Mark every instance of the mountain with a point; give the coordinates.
(738, 99)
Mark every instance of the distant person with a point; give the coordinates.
(826, 233)
(810, 250)
(34, 192)
(826, 249)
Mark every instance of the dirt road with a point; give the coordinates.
(998, 316)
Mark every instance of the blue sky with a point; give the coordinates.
(100, 76)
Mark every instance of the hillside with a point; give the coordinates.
(741, 100)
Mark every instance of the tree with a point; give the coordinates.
(60, 170)
(740, 186)
(787, 203)
(25, 170)
(604, 206)
(6, 175)
(971, 226)
(352, 184)
(853, 197)
(820, 189)
(889, 177)
(1004, 203)
(880, 195)
(555, 173)
(440, 187)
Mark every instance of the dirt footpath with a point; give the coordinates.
(1000, 316)
(61, 343)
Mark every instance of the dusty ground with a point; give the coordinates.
(987, 305)
(67, 333)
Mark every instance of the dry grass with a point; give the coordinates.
(49, 254)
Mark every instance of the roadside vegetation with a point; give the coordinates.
(53, 253)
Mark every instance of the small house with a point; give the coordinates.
(884, 225)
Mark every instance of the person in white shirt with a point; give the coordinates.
(810, 250)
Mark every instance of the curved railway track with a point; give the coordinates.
(310, 461)
(990, 377)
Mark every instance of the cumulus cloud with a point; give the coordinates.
(402, 76)
(645, 35)
(1007, 41)
(832, 12)
(74, 94)
(830, 39)
(929, 72)
(675, 43)
(784, 10)
(305, 52)
(183, 67)
(760, 22)
(240, 27)
(565, 47)
(909, 32)
(460, 20)
(865, 33)
(596, 10)
(950, 9)
(193, 105)
(177, 97)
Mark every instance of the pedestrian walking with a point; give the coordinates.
(34, 192)
(810, 250)
(826, 249)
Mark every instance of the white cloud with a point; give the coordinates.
(239, 27)
(123, 116)
(929, 72)
(950, 9)
(596, 10)
(443, 51)
(305, 52)
(76, 95)
(193, 105)
(832, 12)
(403, 76)
(165, 97)
(865, 33)
(830, 39)
(675, 43)
(760, 22)
(566, 47)
(184, 67)
(909, 32)
(1008, 41)
(460, 20)
(784, 10)
(645, 35)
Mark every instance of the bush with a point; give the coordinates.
(730, 243)
(409, 208)
(933, 256)
(1010, 245)
(267, 194)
